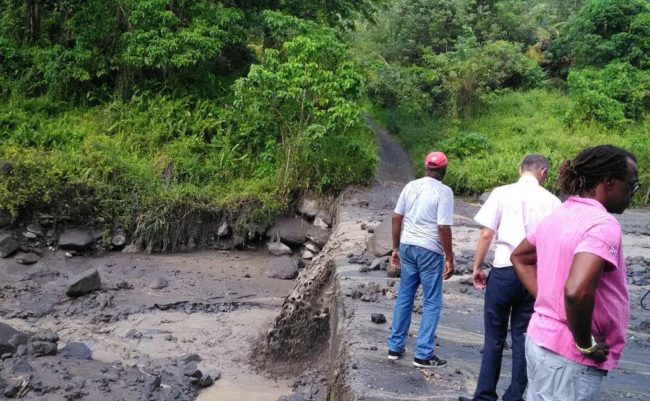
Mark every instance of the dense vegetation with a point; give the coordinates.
(154, 115)
(489, 81)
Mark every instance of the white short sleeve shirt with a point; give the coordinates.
(425, 204)
(513, 211)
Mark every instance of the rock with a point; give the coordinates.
(190, 369)
(20, 365)
(289, 230)
(312, 247)
(187, 358)
(325, 216)
(29, 235)
(76, 351)
(378, 318)
(318, 236)
(158, 283)
(309, 207)
(223, 230)
(131, 248)
(206, 381)
(484, 197)
(318, 222)
(8, 336)
(43, 348)
(84, 283)
(277, 248)
(283, 267)
(636, 269)
(28, 258)
(118, 238)
(47, 335)
(381, 241)
(8, 245)
(35, 229)
(75, 240)
(307, 254)
(153, 382)
(214, 373)
(380, 263)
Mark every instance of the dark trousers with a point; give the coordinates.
(505, 297)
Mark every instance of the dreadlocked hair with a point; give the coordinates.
(591, 167)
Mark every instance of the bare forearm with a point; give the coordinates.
(482, 247)
(579, 314)
(444, 233)
(524, 260)
(396, 229)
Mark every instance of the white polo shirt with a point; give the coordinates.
(513, 211)
(425, 203)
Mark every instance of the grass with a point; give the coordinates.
(513, 125)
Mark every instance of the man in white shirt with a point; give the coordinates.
(509, 214)
(421, 234)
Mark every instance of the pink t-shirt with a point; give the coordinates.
(579, 225)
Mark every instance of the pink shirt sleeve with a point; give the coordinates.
(603, 240)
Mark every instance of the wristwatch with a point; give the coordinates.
(590, 350)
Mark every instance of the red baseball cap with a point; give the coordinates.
(435, 160)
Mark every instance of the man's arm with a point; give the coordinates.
(396, 234)
(524, 259)
(579, 299)
(445, 240)
(484, 241)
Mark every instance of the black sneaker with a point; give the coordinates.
(434, 362)
(394, 355)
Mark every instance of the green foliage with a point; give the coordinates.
(607, 30)
(613, 96)
(514, 125)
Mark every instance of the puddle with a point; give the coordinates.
(245, 388)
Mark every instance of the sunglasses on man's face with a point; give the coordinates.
(634, 185)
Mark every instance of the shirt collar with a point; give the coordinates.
(587, 201)
(529, 179)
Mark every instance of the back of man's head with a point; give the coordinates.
(536, 165)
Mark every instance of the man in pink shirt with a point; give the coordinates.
(574, 266)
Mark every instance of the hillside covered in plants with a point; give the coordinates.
(155, 115)
(489, 81)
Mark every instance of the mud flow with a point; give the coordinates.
(160, 327)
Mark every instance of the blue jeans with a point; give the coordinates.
(505, 299)
(418, 266)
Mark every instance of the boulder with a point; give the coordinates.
(27, 258)
(318, 236)
(325, 216)
(47, 335)
(158, 283)
(84, 283)
(75, 240)
(223, 230)
(277, 248)
(118, 238)
(312, 247)
(378, 318)
(8, 336)
(307, 254)
(42, 348)
(380, 263)
(76, 351)
(35, 229)
(289, 230)
(283, 267)
(318, 222)
(381, 241)
(8, 245)
(309, 207)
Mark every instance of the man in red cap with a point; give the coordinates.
(421, 249)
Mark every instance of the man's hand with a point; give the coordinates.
(600, 353)
(478, 276)
(449, 269)
(394, 260)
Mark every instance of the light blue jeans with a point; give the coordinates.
(418, 266)
(552, 377)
